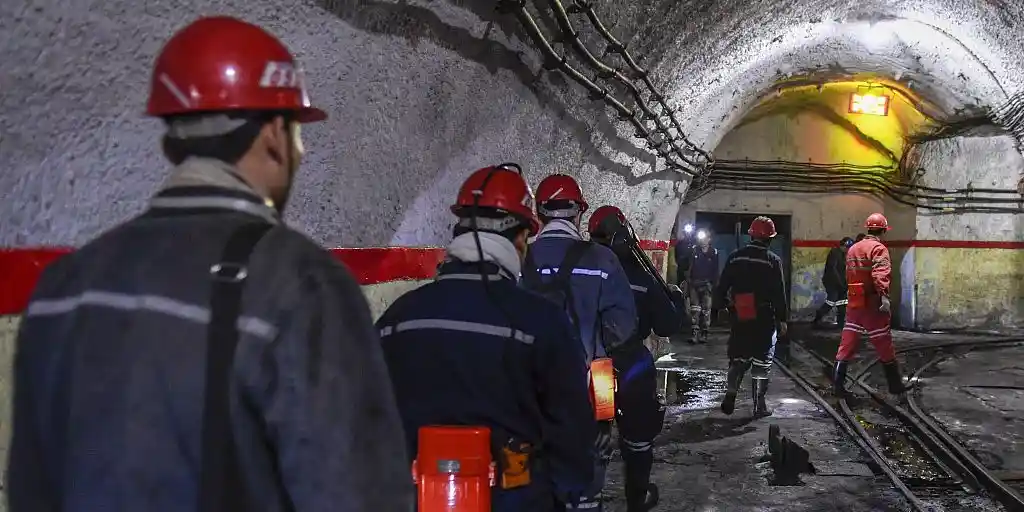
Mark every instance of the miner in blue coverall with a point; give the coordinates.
(472, 348)
(640, 414)
(595, 294)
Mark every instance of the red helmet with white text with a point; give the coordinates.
(222, 64)
(877, 221)
(501, 190)
(762, 227)
(560, 188)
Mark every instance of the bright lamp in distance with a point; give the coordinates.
(870, 104)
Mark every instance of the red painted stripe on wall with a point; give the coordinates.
(940, 244)
(21, 268)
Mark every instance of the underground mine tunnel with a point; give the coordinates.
(699, 113)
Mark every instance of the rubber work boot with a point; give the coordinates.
(760, 389)
(732, 385)
(897, 386)
(703, 336)
(839, 379)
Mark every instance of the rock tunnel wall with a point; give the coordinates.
(972, 275)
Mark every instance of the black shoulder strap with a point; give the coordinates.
(529, 271)
(572, 258)
(221, 487)
(562, 277)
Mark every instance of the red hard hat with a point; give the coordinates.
(877, 221)
(762, 227)
(606, 220)
(221, 64)
(500, 188)
(560, 187)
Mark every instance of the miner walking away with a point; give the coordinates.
(833, 278)
(203, 356)
(753, 286)
(868, 274)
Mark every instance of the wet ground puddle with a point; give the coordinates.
(686, 389)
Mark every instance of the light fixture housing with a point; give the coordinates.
(869, 104)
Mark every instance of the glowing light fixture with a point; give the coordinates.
(701, 235)
(688, 228)
(870, 104)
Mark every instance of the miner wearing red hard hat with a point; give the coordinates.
(484, 370)
(753, 284)
(868, 275)
(659, 308)
(588, 282)
(202, 355)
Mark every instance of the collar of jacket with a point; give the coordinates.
(471, 271)
(201, 184)
(759, 245)
(560, 228)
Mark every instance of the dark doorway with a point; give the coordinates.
(729, 232)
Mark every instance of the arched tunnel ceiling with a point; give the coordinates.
(77, 73)
(961, 55)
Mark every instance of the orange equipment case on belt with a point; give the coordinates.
(602, 388)
(453, 470)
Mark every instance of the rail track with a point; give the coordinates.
(957, 473)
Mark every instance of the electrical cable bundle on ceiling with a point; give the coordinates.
(669, 142)
(879, 181)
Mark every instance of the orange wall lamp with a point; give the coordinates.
(870, 100)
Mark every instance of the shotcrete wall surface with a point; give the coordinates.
(980, 281)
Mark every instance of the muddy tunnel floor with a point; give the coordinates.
(707, 461)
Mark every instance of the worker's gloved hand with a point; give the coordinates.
(886, 305)
(603, 443)
(783, 329)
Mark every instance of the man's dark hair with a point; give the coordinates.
(230, 147)
(860, 236)
(876, 231)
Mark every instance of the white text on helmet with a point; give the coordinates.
(280, 74)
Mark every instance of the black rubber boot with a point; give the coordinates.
(703, 336)
(638, 480)
(893, 378)
(643, 502)
(818, 315)
(732, 385)
(760, 389)
(839, 379)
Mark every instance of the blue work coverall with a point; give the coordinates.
(640, 413)
(460, 353)
(602, 302)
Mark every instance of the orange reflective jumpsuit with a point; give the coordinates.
(868, 272)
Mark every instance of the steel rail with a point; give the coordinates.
(857, 433)
(958, 458)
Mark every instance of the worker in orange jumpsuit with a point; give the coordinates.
(868, 273)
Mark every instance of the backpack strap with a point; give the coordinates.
(221, 487)
(564, 275)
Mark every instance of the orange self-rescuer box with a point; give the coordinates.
(454, 470)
